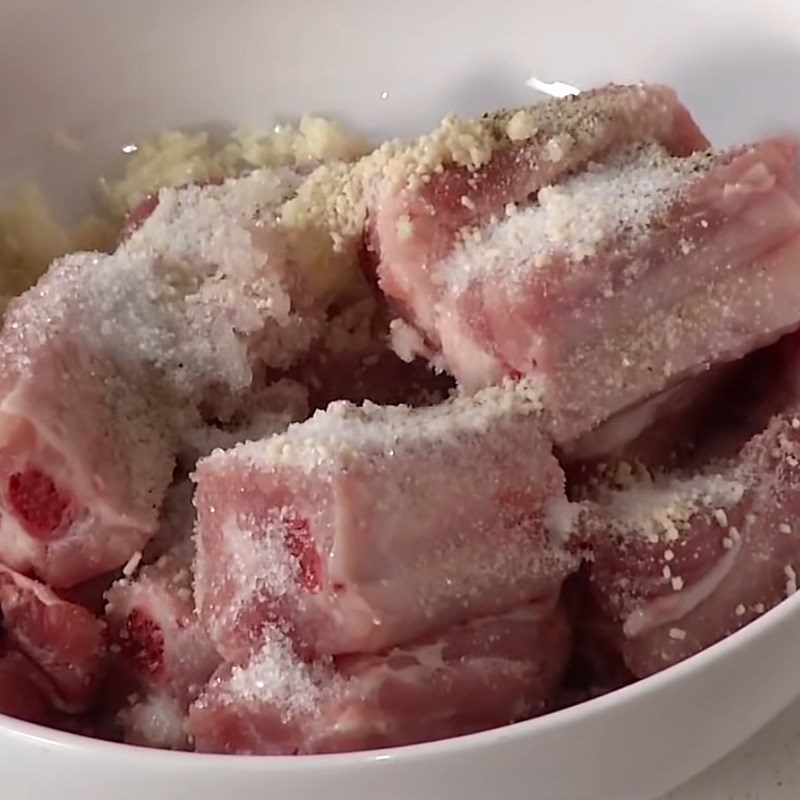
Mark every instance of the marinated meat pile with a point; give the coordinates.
(397, 449)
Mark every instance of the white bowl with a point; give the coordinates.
(109, 72)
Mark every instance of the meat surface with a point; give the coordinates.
(312, 529)
(474, 676)
(681, 561)
(504, 158)
(113, 364)
(616, 283)
(24, 690)
(661, 432)
(65, 641)
(705, 418)
(85, 451)
(163, 657)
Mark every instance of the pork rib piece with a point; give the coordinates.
(163, 655)
(107, 364)
(366, 527)
(679, 563)
(474, 676)
(467, 172)
(64, 640)
(85, 450)
(618, 282)
(707, 417)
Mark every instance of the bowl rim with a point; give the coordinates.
(42, 735)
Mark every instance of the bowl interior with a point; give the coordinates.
(108, 73)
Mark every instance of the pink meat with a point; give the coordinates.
(85, 453)
(618, 282)
(680, 563)
(474, 676)
(366, 527)
(659, 432)
(64, 640)
(112, 363)
(24, 690)
(415, 227)
(163, 655)
(706, 417)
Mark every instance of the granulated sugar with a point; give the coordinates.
(662, 506)
(276, 675)
(345, 427)
(618, 198)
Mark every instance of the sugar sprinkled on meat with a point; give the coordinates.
(345, 427)
(621, 195)
(661, 506)
(123, 306)
(309, 525)
(154, 720)
(335, 195)
(507, 665)
(258, 555)
(275, 674)
(222, 245)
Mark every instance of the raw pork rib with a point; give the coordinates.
(312, 528)
(417, 207)
(85, 451)
(678, 563)
(619, 281)
(474, 676)
(65, 641)
(164, 656)
(703, 418)
(107, 363)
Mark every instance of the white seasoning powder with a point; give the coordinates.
(405, 230)
(344, 428)
(133, 563)
(791, 579)
(622, 195)
(276, 675)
